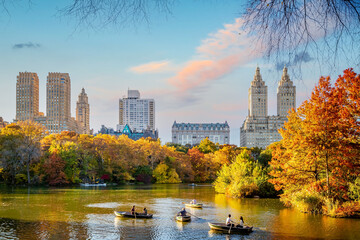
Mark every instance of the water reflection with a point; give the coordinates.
(88, 214)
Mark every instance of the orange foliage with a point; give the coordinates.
(320, 145)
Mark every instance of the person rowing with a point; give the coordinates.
(133, 210)
(182, 212)
(145, 211)
(230, 222)
(193, 201)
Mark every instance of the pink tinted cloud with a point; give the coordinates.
(153, 67)
(218, 55)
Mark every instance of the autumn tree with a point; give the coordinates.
(31, 149)
(10, 154)
(54, 167)
(164, 174)
(21, 145)
(207, 146)
(319, 151)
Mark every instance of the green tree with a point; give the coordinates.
(163, 174)
(243, 178)
(207, 146)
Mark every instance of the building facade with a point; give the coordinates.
(27, 96)
(83, 112)
(128, 132)
(259, 129)
(137, 113)
(58, 104)
(286, 95)
(193, 133)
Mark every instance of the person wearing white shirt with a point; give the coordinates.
(229, 222)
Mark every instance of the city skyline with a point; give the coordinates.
(195, 65)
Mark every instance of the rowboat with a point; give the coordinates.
(224, 228)
(192, 205)
(93, 184)
(129, 215)
(186, 218)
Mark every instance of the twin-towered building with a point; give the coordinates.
(259, 129)
(58, 103)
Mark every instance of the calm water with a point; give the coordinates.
(87, 213)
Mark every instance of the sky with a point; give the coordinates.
(196, 63)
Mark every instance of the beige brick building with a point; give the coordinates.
(27, 96)
(83, 112)
(259, 129)
(58, 103)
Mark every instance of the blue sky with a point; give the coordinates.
(193, 63)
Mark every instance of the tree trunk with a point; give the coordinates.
(327, 175)
(28, 170)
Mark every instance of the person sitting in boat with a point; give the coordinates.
(229, 222)
(241, 223)
(133, 210)
(193, 201)
(145, 211)
(182, 212)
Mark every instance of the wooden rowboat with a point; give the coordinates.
(224, 228)
(129, 215)
(196, 205)
(186, 218)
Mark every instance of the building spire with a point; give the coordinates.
(285, 76)
(257, 76)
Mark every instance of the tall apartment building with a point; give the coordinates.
(259, 129)
(193, 133)
(83, 112)
(286, 95)
(137, 113)
(258, 105)
(27, 96)
(58, 103)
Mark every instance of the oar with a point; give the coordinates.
(233, 223)
(194, 215)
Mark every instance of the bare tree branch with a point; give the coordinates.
(286, 27)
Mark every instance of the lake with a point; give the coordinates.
(87, 213)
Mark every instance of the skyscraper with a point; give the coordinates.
(83, 112)
(259, 129)
(286, 95)
(58, 103)
(27, 96)
(138, 113)
(258, 96)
